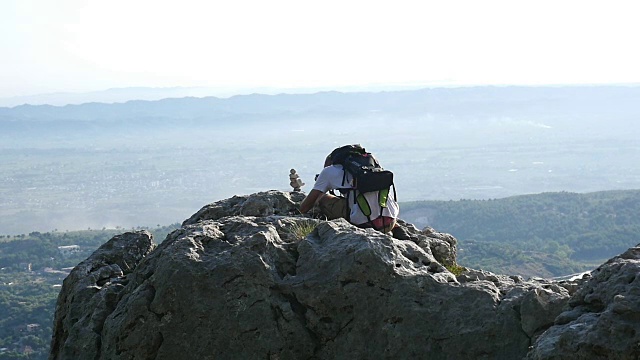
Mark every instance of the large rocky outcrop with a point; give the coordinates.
(602, 319)
(245, 279)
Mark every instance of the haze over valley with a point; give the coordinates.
(144, 163)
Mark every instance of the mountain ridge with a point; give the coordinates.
(478, 100)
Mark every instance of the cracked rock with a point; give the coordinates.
(245, 279)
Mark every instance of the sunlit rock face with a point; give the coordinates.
(249, 278)
(602, 319)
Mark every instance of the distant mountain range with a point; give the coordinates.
(120, 95)
(475, 101)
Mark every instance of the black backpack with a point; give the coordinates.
(365, 169)
(367, 173)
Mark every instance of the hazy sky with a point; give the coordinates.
(81, 45)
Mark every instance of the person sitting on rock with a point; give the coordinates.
(366, 209)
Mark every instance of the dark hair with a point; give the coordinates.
(338, 155)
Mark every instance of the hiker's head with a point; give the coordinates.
(338, 155)
(327, 161)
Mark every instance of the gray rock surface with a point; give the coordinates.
(242, 279)
(90, 293)
(442, 246)
(266, 203)
(602, 319)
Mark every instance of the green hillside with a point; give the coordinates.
(549, 234)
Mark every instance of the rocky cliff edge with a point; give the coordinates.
(246, 278)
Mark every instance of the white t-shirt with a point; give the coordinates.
(330, 178)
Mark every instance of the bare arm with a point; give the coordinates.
(310, 200)
(313, 196)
